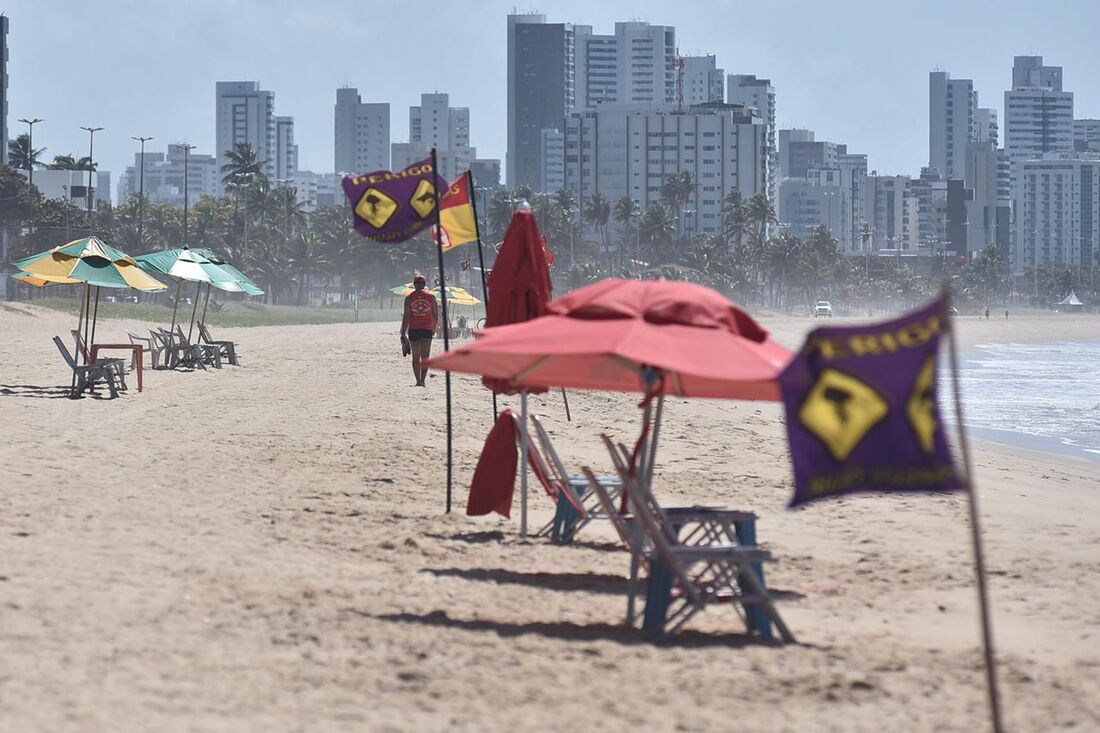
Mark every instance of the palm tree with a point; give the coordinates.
(625, 213)
(597, 212)
(657, 227)
(759, 215)
(70, 163)
(734, 221)
(20, 154)
(306, 259)
(677, 190)
(243, 168)
(501, 206)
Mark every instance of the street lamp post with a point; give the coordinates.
(91, 169)
(30, 146)
(141, 190)
(186, 153)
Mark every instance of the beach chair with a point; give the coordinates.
(119, 365)
(228, 348)
(687, 576)
(87, 374)
(577, 483)
(173, 352)
(205, 353)
(567, 504)
(150, 346)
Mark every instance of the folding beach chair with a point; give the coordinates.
(172, 350)
(716, 559)
(87, 374)
(228, 349)
(118, 365)
(206, 353)
(567, 510)
(578, 483)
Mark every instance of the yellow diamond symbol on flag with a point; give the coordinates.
(921, 407)
(840, 410)
(376, 207)
(423, 199)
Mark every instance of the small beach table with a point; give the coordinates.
(137, 349)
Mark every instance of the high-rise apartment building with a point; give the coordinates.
(435, 124)
(786, 137)
(245, 114)
(552, 161)
(624, 150)
(3, 88)
(164, 173)
(1086, 135)
(1038, 113)
(286, 152)
(891, 213)
(986, 129)
(952, 106)
(748, 90)
(702, 81)
(818, 199)
(362, 133)
(802, 157)
(540, 90)
(1057, 211)
(982, 169)
(486, 173)
(853, 178)
(636, 65)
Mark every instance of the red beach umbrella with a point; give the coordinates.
(610, 335)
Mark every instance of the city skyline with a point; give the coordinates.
(870, 93)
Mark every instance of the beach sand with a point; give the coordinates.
(265, 548)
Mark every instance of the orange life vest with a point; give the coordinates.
(421, 310)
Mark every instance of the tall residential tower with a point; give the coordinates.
(362, 133)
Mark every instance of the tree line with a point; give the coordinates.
(264, 230)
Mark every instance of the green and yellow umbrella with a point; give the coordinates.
(455, 295)
(90, 262)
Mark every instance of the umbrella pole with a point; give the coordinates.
(205, 304)
(80, 322)
(524, 442)
(172, 330)
(565, 399)
(446, 323)
(194, 310)
(95, 315)
(653, 442)
(481, 264)
(87, 315)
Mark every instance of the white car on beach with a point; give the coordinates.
(823, 309)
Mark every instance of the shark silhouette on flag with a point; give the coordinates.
(861, 409)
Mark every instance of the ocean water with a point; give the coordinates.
(1040, 396)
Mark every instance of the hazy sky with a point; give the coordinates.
(855, 71)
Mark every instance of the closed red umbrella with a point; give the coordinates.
(519, 285)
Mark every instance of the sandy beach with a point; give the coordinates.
(265, 548)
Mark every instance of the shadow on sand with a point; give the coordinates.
(574, 632)
(590, 582)
(36, 392)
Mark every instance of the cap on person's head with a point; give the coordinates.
(419, 278)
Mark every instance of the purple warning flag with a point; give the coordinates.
(862, 412)
(393, 206)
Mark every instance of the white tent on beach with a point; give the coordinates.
(1071, 301)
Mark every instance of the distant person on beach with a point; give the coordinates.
(987, 314)
(419, 321)
(1006, 315)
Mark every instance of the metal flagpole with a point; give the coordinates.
(446, 321)
(975, 529)
(480, 260)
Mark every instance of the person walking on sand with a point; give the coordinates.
(419, 321)
(987, 314)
